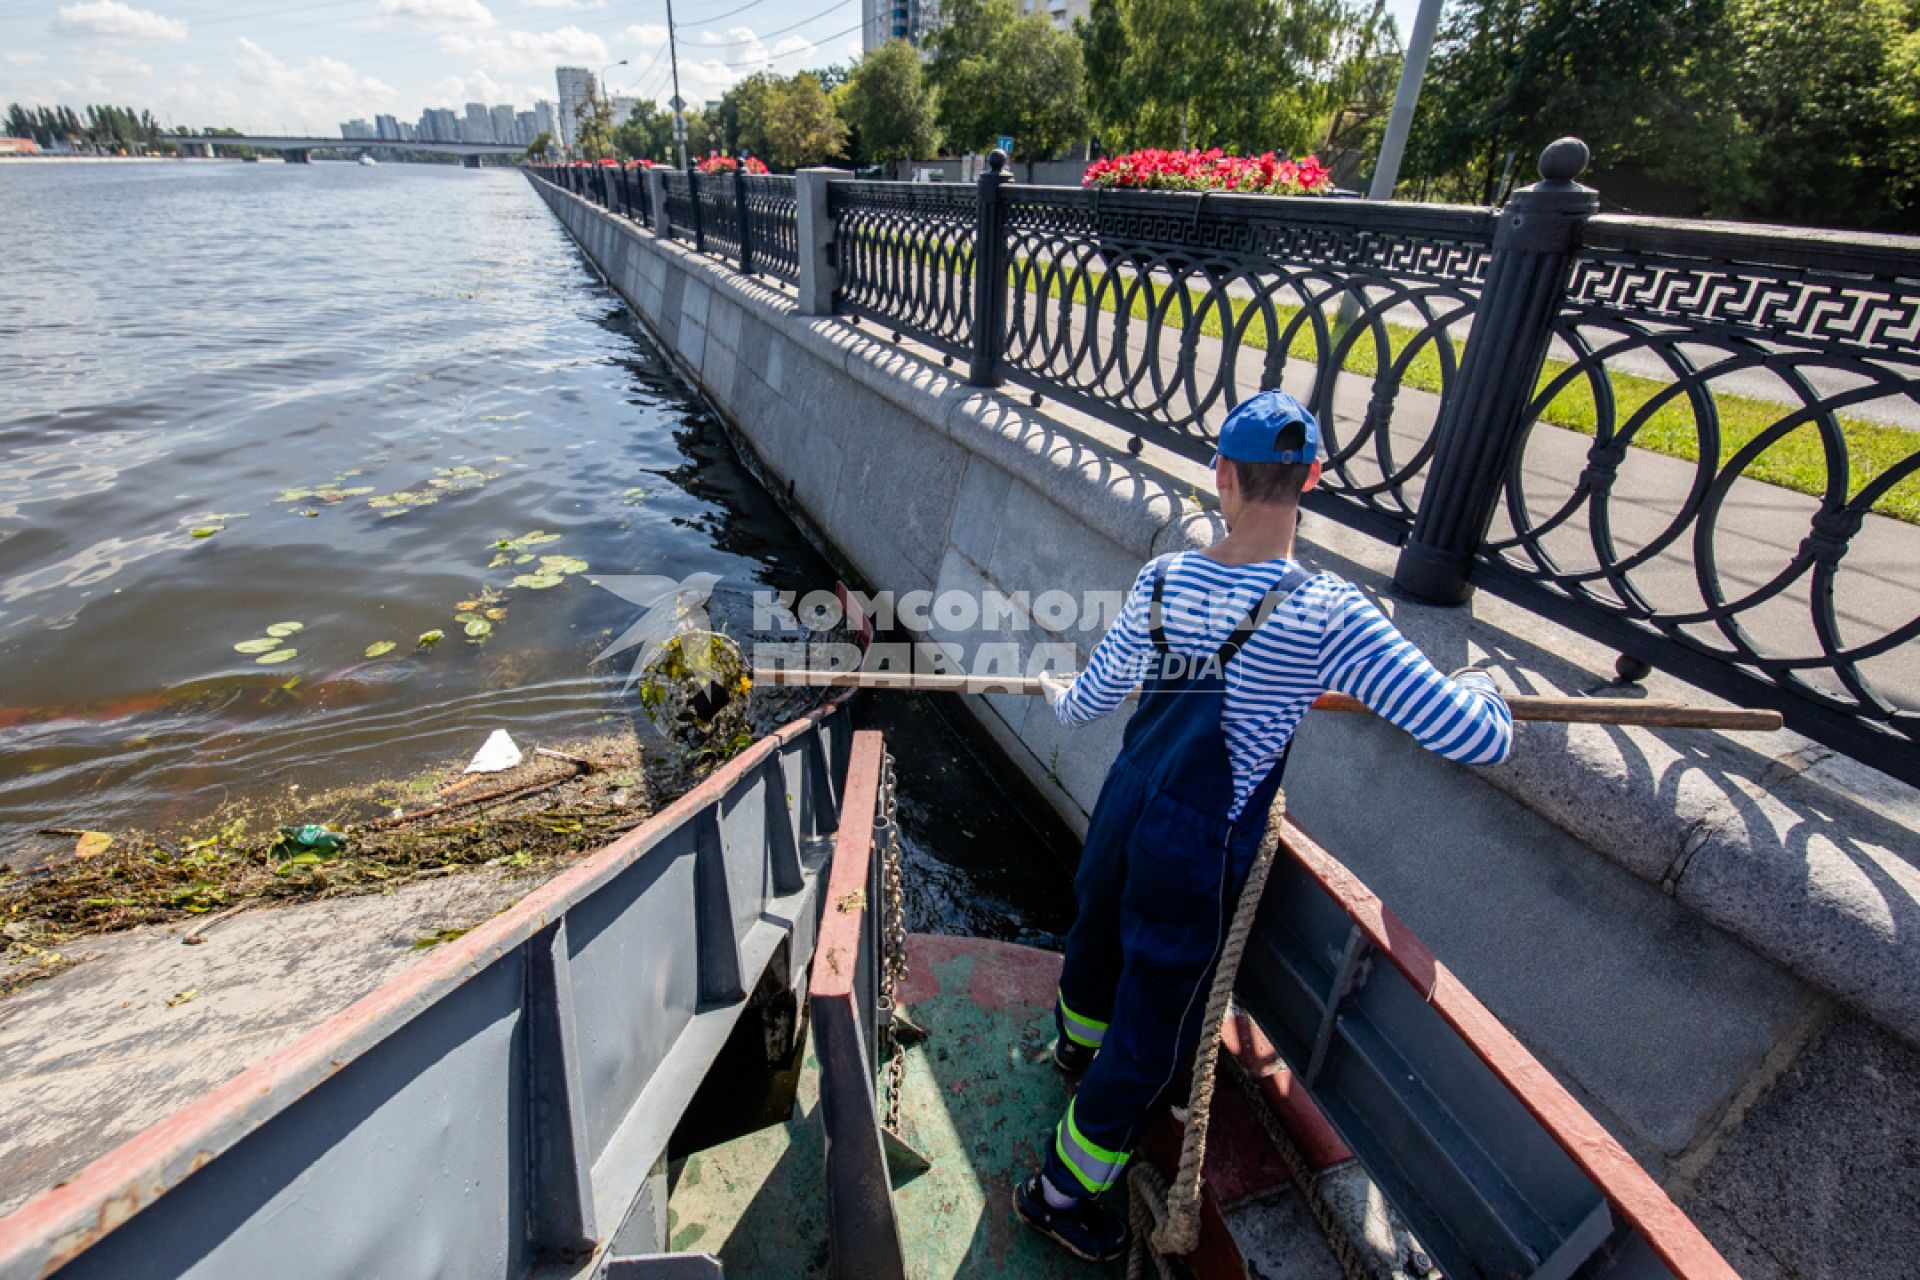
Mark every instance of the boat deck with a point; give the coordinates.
(980, 1098)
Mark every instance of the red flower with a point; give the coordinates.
(1209, 170)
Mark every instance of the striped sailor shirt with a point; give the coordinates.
(1325, 636)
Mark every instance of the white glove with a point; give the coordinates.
(1475, 678)
(1055, 688)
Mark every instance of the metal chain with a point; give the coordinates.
(893, 940)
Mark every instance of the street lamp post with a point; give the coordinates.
(607, 94)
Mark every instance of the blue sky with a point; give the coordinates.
(299, 66)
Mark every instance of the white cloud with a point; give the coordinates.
(564, 4)
(647, 34)
(437, 14)
(316, 93)
(518, 52)
(19, 58)
(117, 64)
(112, 20)
(791, 44)
(456, 91)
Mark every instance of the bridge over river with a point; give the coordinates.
(300, 150)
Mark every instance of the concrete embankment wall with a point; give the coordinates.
(1713, 940)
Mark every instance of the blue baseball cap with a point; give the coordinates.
(1252, 431)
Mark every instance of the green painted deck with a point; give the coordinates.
(980, 1099)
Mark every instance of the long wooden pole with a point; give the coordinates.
(1635, 711)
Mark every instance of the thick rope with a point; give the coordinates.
(1338, 1240)
(1178, 1232)
(1146, 1210)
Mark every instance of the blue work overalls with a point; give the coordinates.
(1159, 875)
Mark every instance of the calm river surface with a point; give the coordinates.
(242, 395)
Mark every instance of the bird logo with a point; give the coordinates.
(669, 608)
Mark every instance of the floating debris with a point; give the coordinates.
(428, 639)
(496, 755)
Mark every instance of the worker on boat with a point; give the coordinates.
(1231, 645)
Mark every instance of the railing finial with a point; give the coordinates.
(1564, 159)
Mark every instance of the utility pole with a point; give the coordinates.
(1413, 72)
(679, 103)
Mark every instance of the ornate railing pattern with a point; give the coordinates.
(773, 223)
(1747, 355)
(1172, 307)
(683, 209)
(1753, 345)
(904, 255)
(720, 215)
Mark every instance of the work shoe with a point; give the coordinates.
(1083, 1228)
(1072, 1058)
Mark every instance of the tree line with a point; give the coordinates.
(105, 127)
(1760, 109)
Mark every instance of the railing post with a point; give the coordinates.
(989, 274)
(1481, 423)
(740, 212)
(657, 197)
(813, 219)
(693, 205)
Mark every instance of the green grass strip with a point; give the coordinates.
(1796, 461)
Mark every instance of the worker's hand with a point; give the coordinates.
(1055, 689)
(1475, 678)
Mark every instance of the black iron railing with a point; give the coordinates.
(1693, 441)
(719, 214)
(904, 255)
(773, 225)
(1756, 349)
(1169, 310)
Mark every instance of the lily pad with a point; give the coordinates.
(562, 564)
(496, 615)
(539, 537)
(538, 581)
(467, 615)
(498, 560)
(524, 559)
(264, 644)
(285, 628)
(277, 657)
(479, 628)
(428, 639)
(380, 648)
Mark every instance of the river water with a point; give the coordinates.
(238, 396)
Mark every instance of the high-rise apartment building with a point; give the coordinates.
(543, 120)
(909, 20)
(623, 107)
(356, 129)
(523, 128)
(576, 86)
(478, 126)
(386, 128)
(502, 122)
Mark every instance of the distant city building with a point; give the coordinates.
(1062, 12)
(407, 132)
(543, 121)
(524, 128)
(576, 86)
(356, 129)
(386, 128)
(443, 125)
(911, 20)
(623, 108)
(478, 126)
(502, 121)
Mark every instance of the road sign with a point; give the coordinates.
(678, 103)
(1005, 143)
